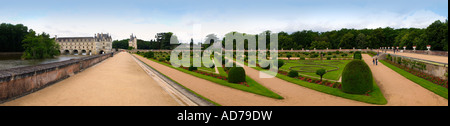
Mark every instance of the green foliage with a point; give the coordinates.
(280, 63)
(436, 35)
(357, 55)
(399, 60)
(236, 75)
(321, 72)
(149, 54)
(122, 44)
(161, 59)
(39, 46)
(357, 78)
(328, 58)
(293, 73)
(130, 48)
(302, 58)
(289, 56)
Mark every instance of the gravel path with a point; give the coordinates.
(400, 91)
(117, 81)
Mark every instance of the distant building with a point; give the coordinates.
(99, 44)
(132, 42)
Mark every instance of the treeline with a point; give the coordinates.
(161, 42)
(435, 35)
(11, 37)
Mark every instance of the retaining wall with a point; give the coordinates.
(17, 82)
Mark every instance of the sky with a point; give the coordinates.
(197, 18)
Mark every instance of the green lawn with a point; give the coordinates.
(439, 90)
(376, 96)
(326, 64)
(254, 87)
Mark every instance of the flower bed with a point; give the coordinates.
(431, 78)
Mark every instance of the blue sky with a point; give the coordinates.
(145, 18)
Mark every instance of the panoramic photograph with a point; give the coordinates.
(224, 53)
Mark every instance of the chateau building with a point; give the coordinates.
(99, 44)
(132, 42)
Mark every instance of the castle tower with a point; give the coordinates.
(132, 42)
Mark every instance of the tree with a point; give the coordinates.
(11, 37)
(39, 46)
(321, 72)
(346, 41)
(120, 44)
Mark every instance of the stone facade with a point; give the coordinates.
(132, 42)
(99, 44)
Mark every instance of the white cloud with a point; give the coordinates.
(220, 24)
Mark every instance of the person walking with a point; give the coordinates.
(373, 61)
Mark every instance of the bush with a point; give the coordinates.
(149, 54)
(236, 75)
(357, 55)
(302, 58)
(289, 56)
(334, 56)
(293, 73)
(328, 58)
(192, 68)
(161, 59)
(357, 78)
(328, 53)
(168, 58)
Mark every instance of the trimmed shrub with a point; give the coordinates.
(236, 75)
(289, 56)
(321, 72)
(168, 58)
(149, 54)
(328, 58)
(302, 58)
(263, 65)
(334, 56)
(329, 53)
(357, 55)
(293, 73)
(357, 78)
(161, 59)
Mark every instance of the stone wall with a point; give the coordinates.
(17, 82)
